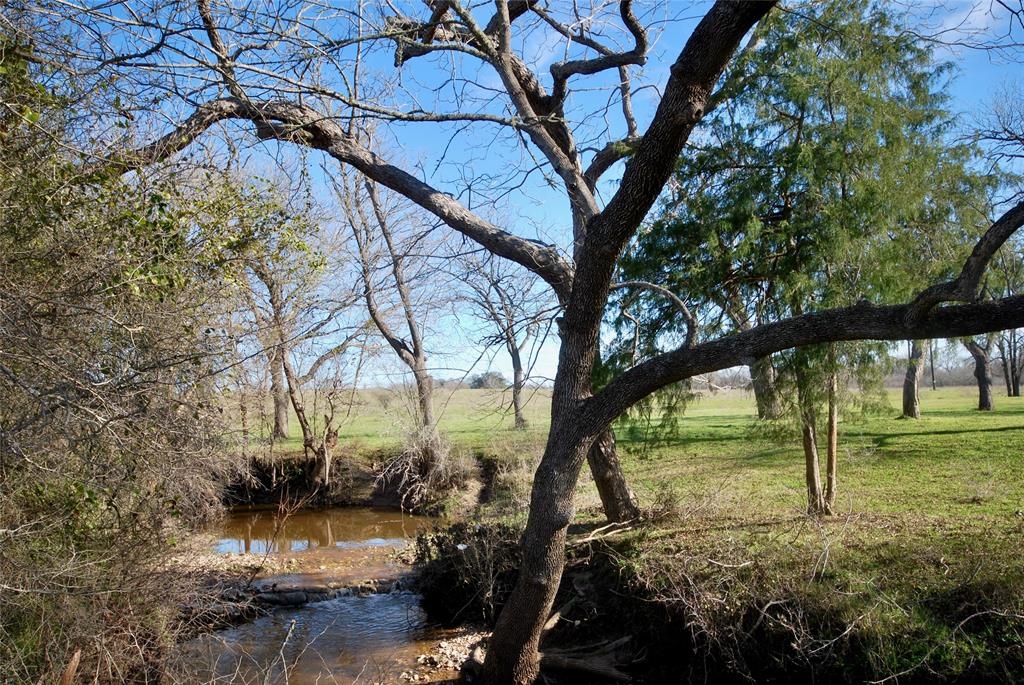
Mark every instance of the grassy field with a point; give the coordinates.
(954, 461)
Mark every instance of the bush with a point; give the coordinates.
(491, 380)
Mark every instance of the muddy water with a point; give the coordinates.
(350, 639)
(257, 531)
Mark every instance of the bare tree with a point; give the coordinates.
(410, 350)
(281, 106)
(301, 321)
(515, 309)
(1010, 345)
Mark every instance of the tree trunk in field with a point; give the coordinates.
(518, 381)
(279, 392)
(762, 379)
(931, 362)
(831, 469)
(912, 381)
(1016, 362)
(424, 394)
(1004, 361)
(619, 502)
(982, 373)
(812, 474)
(812, 467)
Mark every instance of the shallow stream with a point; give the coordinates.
(355, 638)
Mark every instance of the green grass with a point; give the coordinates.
(920, 571)
(954, 461)
(471, 419)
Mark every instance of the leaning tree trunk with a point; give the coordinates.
(512, 657)
(912, 381)
(617, 499)
(762, 379)
(832, 465)
(982, 373)
(279, 393)
(518, 382)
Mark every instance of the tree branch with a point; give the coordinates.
(966, 286)
(691, 320)
(562, 71)
(292, 122)
(859, 322)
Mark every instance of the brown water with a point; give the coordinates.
(341, 528)
(350, 639)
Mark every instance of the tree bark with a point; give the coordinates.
(424, 393)
(1016, 362)
(931, 362)
(512, 657)
(518, 382)
(982, 373)
(762, 379)
(912, 381)
(808, 432)
(617, 499)
(832, 465)
(279, 392)
(1005, 362)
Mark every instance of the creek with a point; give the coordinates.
(359, 626)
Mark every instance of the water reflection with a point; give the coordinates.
(350, 639)
(346, 640)
(258, 531)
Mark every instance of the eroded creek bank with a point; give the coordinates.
(318, 596)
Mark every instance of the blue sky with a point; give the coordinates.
(979, 77)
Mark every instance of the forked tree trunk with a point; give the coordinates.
(982, 373)
(324, 454)
(912, 381)
(832, 465)
(279, 393)
(762, 380)
(619, 502)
